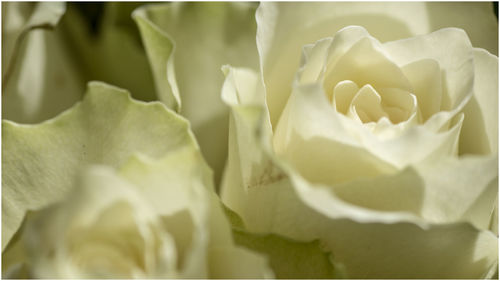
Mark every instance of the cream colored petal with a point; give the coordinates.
(453, 51)
(343, 93)
(283, 28)
(369, 102)
(436, 192)
(425, 78)
(365, 63)
(309, 116)
(480, 131)
(371, 244)
(388, 249)
(39, 161)
(206, 36)
(314, 59)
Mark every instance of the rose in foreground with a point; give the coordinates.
(385, 152)
(113, 188)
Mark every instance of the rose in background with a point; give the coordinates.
(72, 44)
(385, 152)
(114, 188)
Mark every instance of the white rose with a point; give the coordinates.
(366, 145)
(113, 188)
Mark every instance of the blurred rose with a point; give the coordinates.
(113, 188)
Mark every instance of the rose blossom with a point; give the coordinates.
(365, 148)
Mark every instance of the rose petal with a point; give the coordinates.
(38, 78)
(283, 28)
(480, 130)
(476, 18)
(66, 240)
(182, 181)
(206, 36)
(308, 259)
(452, 49)
(425, 77)
(374, 244)
(38, 160)
(437, 192)
(159, 48)
(364, 63)
(111, 50)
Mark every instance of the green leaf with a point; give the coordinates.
(291, 259)
(39, 161)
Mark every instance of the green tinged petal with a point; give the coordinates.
(39, 161)
(150, 187)
(40, 78)
(291, 259)
(106, 45)
(19, 20)
(206, 36)
(160, 50)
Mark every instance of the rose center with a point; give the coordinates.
(367, 104)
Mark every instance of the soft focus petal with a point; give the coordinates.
(206, 36)
(160, 50)
(480, 130)
(19, 19)
(103, 229)
(109, 49)
(39, 78)
(476, 18)
(182, 181)
(105, 128)
(291, 259)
